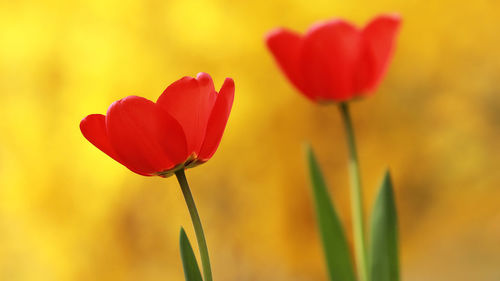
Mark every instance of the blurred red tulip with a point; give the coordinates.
(334, 60)
(182, 129)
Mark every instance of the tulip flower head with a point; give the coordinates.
(334, 60)
(182, 129)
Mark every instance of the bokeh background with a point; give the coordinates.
(69, 212)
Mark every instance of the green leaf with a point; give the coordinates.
(336, 249)
(191, 269)
(384, 265)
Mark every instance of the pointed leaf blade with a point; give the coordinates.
(384, 263)
(189, 263)
(336, 249)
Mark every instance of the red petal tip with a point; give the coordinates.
(205, 79)
(228, 83)
(274, 33)
(323, 23)
(203, 75)
(394, 16)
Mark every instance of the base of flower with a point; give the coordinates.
(191, 162)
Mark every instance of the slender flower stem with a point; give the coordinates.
(195, 218)
(356, 196)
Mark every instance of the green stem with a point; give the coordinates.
(198, 229)
(356, 196)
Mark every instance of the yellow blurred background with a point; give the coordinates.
(69, 212)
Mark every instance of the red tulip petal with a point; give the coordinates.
(144, 136)
(285, 45)
(379, 41)
(329, 58)
(190, 101)
(207, 86)
(93, 128)
(218, 120)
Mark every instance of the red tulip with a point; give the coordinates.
(182, 129)
(334, 60)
